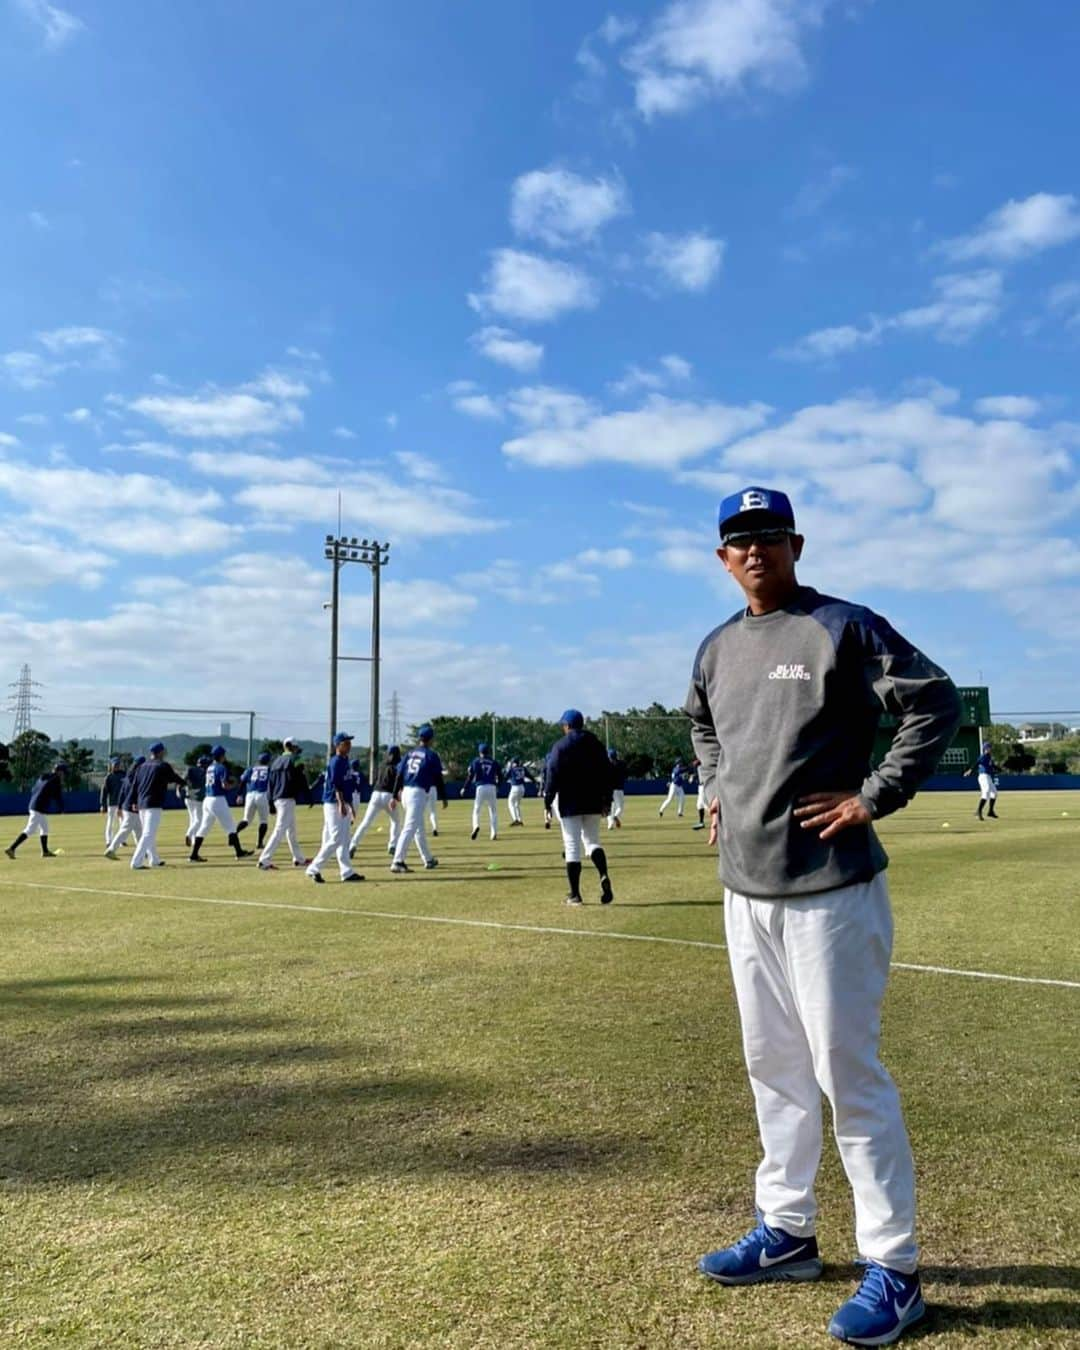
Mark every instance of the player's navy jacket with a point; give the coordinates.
(152, 781)
(287, 780)
(387, 776)
(421, 768)
(357, 782)
(195, 779)
(517, 775)
(679, 775)
(579, 774)
(217, 775)
(787, 703)
(127, 792)
(111, 788)
(47, 794)
(617, 771)
(256, 778)
(338, 778)
(484, 772)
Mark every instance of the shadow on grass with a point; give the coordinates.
(999, 1315)
(250, 1099)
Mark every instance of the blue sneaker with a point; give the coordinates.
(764, 1254)
(885, 1304)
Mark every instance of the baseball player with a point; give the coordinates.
(216, 807)
(255, 781)
(784, 699)
(433, 810)
(195, 795)
(129, 818)
(382, 799)
(287, 785)
(358, 782)
(152, 781)
(337, 813)
(702, 804)
(485, 774)
(987, 772)
(517, 775)
(109, 801)
(676, 789)
(617, 771)
(419, 773)
(46, 796)
(579, 778)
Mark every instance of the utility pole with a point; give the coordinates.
(395, 719)
(340, 550)
(23, 702)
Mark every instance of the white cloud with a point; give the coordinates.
(814, 195)
(424, 603)
(144, 449)
(507, 348)
(79, 415)
(28, 370)
(826, 343)
(696, 49)
(420, 467)
(565, 431)
(31, 563)
(343, 434)
(689, 262)
(7, 441)
(1064, 298)
(58, 26)
(39, 220)
(1019, 229)
(532, 289)
(1013, 407)
(391, 420)
(61, 341)
(33, 419)
(264, 405)
(260, 468)
(669, 368)
(561, 208)
(469, 398)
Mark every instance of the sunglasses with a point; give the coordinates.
(770, 538)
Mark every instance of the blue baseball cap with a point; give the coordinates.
(141, 759)
(60, 767)
(755, 507)
(265, 757)
(204, 761)
(572, 718)
(342, 737)
(483, 747)
(114, 763)
(392, 750)
(218, 752)
(612, 753)
(158, 748)
(426, 732)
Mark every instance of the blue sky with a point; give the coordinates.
(532, 286)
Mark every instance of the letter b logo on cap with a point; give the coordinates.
(753, 500)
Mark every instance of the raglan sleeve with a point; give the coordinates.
(702, 728)
(900, 680)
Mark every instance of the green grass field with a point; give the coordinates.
(241, 1110)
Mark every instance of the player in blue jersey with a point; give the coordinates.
(517, 775)
(337, 813)
(420, 771)
(676, 789)
(987, 772)
(129, 823)
(109, 800)
(152, 781)
(255, 781)
(46, 797)
(216, 807)
(617, 770)
(485, 774)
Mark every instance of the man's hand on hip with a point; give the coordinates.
(832, 811)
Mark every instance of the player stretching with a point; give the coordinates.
(617, 771)
(987, 771)
(337, 813)
(676, 789)
(256, 783)
(785, 698)
(216, 807)
(418, 774)
(109, 801)
(129, 819)
(517, 775)
(287, 786)
(152, 781)
(382, 799)
(579, 775)
(486, 774)
(46, 796)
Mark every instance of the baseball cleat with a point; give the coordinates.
(10, 852)
(110, 855)
(431, 862)
(885, 1304)
(399, 867)
(763, 1254)
(193, 858)
(267, 867)
(316, 877)
(475, 833)
(244, 853)
(354, 877)
(606, 893)
(574, 900)
(301, 862)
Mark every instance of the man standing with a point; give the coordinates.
(287, 786)
(256, 783)
(517, 775)
(46, 796)
(486, 774)
(676, 789)
(418, 774)
(702, 804)
(987, 772)
(382, 799)
(579, 776)
(129, 820)
(216, 807)
(152, 781)
(337, 813)
(195, 795)
(617, 772)
(111, 786)
(785, 698)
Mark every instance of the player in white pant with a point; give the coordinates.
(578, 777)
(676, 789)
(382, 801)
(46, 795)
(129, 823)
(485, 774)
(419, 773)
(432, 806)
(287, 785)
(618, 796)
(152, 781)
(216, 808)
(109, 801)
(337, 813)
(987, 772)
(256, 783)
(517, 776)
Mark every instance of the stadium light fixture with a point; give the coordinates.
(375, 555)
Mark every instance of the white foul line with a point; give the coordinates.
(491, 923)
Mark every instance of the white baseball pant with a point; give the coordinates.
(618, 801)
(112, 819)
(414, 801)
(335, 841)
(987, 787)
(433, 808)
(809, 977)
(216, 808)
(129, 825)
(579, 833)
(377, 804)
(37, 822)
(146, 848)
(194, 816)
(513, 802)
(284, 828)
(674, 794)
(486, 796)
(257, 804)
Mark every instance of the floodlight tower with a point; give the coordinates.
(23, 701)
(339, 550)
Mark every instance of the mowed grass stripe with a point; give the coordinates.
(508, 927)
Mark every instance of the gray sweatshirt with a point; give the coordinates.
(787, 703)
